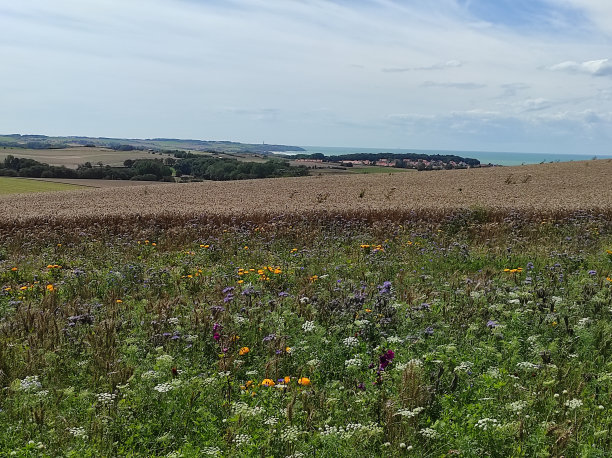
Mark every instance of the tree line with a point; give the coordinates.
(186, 165)
(222, 169)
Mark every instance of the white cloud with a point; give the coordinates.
(512, 89)
(537, 104)
(601, 67)
(438, 66)
(599, 12)
(454, 85)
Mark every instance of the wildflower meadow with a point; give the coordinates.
(468, 334)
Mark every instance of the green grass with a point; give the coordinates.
(9, 185)
(466, 337)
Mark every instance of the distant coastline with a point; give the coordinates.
(485, 157)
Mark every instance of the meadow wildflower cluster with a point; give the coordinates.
(346, 337)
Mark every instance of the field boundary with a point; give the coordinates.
(458, 219)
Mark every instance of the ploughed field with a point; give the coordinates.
(555, 187)
(368, 316)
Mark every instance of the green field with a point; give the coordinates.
(21, 185)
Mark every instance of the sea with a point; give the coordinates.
(485, 157)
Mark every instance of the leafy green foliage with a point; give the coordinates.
(221, 169)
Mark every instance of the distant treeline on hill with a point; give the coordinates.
(141, 169)
(34, 144)
(127, 144)
(190, 165)
(404, 160)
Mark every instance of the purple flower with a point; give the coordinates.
(492, 324)
(592, 272)
(269, 337)
(361, 386)
(216, 336)
(429, 331)
(229, 289)
(283, 294)
(228, 298)
(248, 291)
(423, 306)
(385, 288)
(385, 359)
(217, 327)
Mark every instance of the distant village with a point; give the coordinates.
(418, 164)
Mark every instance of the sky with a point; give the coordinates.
(471, 75)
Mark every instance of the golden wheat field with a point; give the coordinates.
(544, 187)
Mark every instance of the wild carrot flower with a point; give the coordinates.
(573, 404)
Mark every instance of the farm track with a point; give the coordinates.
(552, 188)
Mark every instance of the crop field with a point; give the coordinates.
(24, 185)
(73, 156)
(259, 323)
(544, 187)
